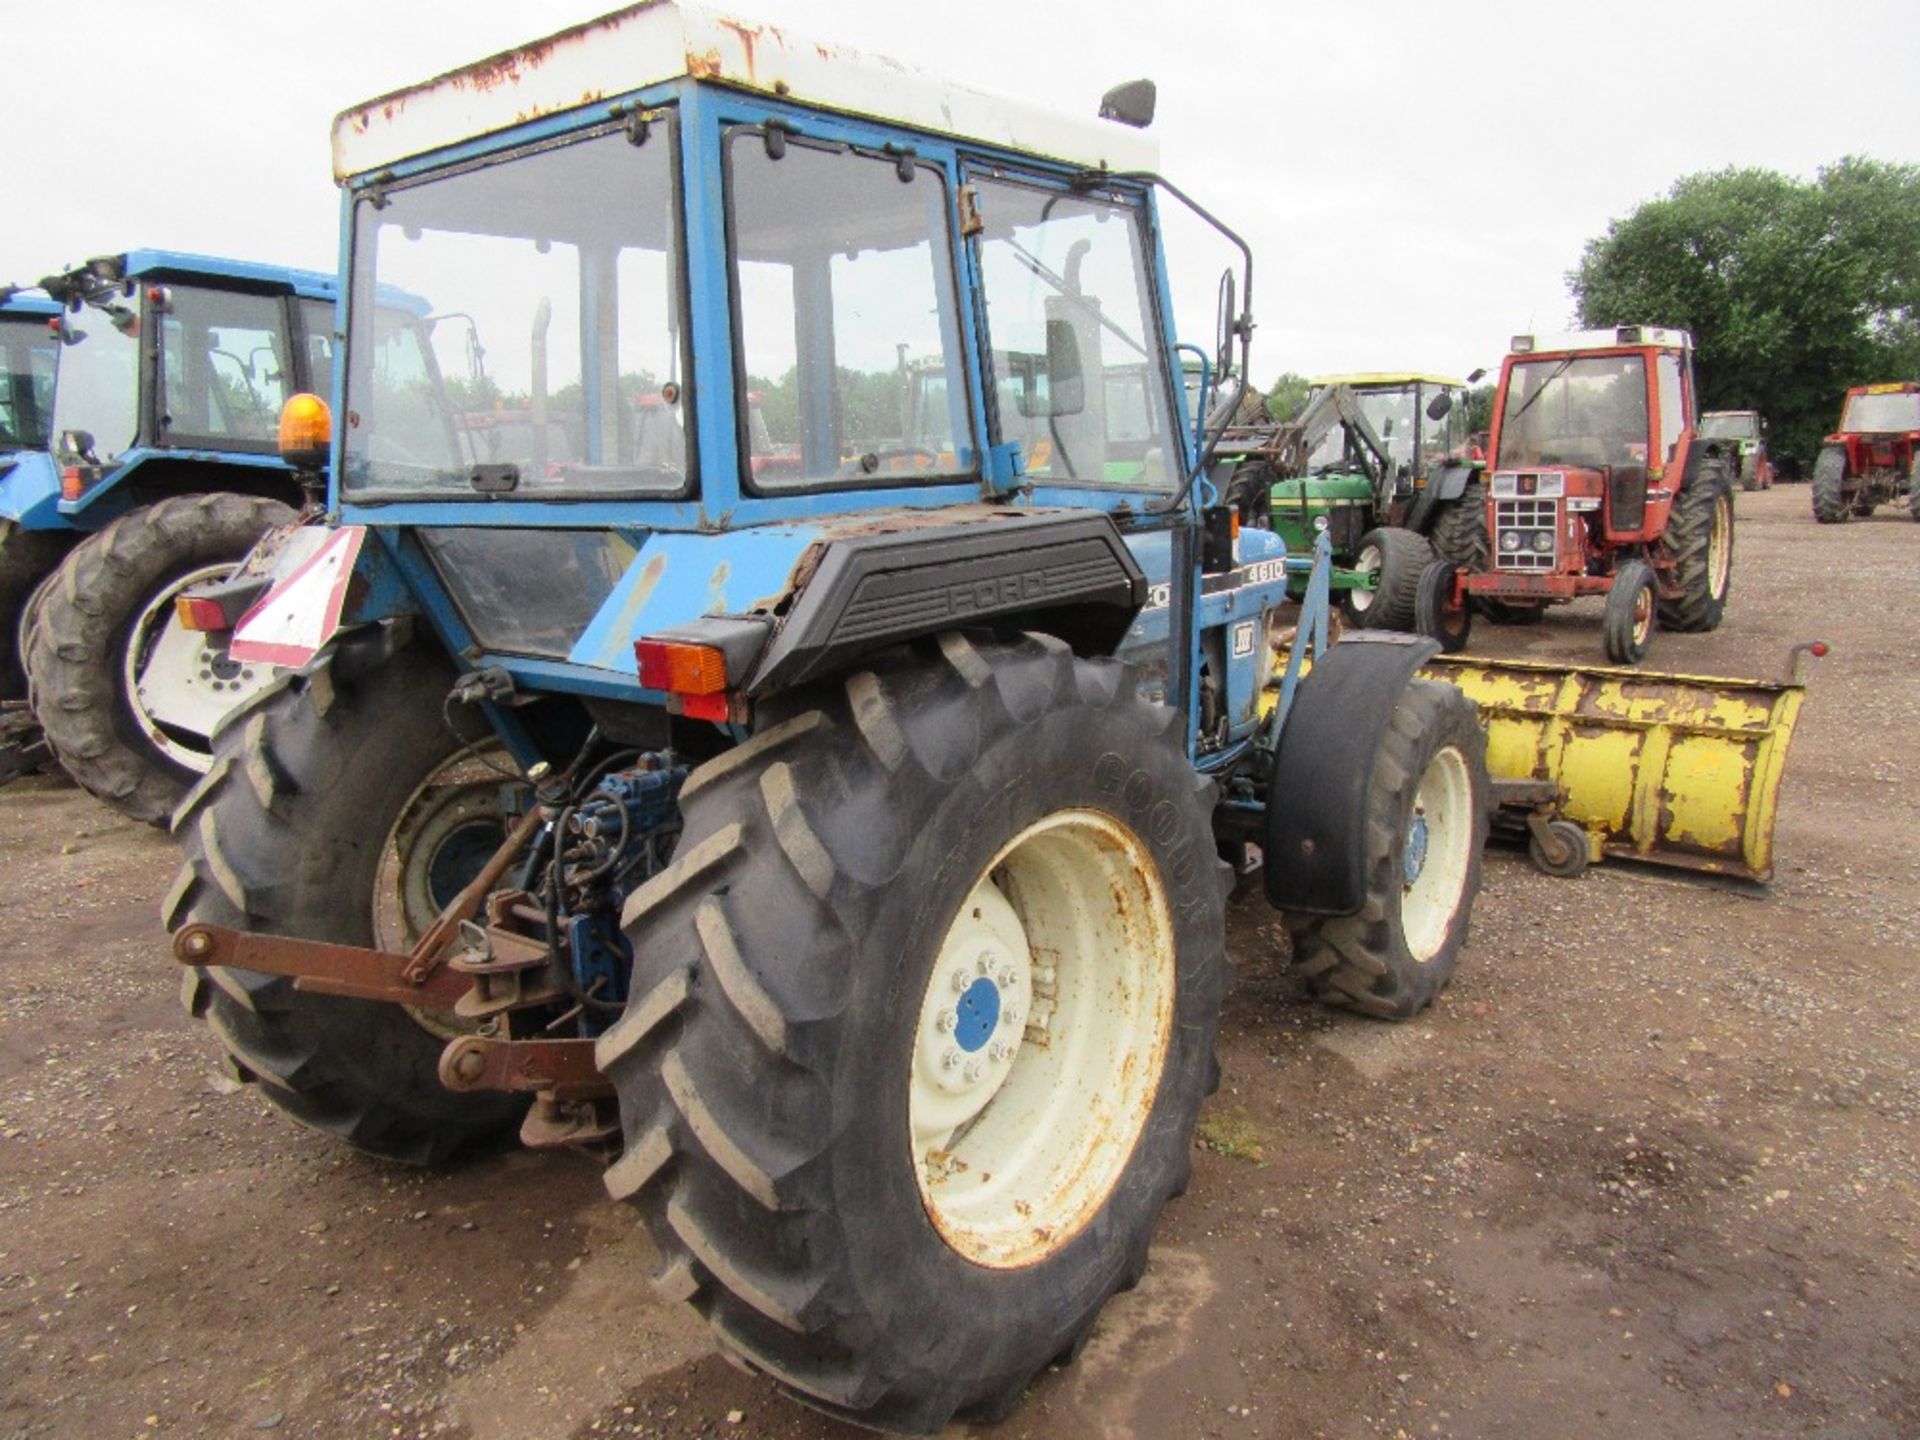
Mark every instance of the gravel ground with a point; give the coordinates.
(1647, 1169)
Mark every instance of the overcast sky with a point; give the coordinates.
(1415, 178)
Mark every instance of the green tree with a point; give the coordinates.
(1793, 290)
(1288, 396)
(1480, 408)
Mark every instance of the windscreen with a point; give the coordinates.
(29, 355)
(96, 406)
(1391, 414)
(1883, 414)
(1729, 427)
(1588, 411)
(516, 327)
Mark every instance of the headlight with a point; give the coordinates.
(1543, 540)
(1509, 539)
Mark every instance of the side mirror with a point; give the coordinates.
(79, 444)
(1130, 104)
(1477, 376)
(1223, 329)
(1066, 381)
(1439, 407)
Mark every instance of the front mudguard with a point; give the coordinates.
(1316, 840)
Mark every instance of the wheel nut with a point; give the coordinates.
(950, 1060)
(999, 1050)
(945, 1021)
(1010, 1015)
(974, 1072)
(1007, 977)
(960, 982)
(986, 964)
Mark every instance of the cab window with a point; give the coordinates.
(848, 331)
(1079, 373)
(225, 370)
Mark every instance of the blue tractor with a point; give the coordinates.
(29, 367)
(681, 754)
(156, 469)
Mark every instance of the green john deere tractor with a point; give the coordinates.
(1357, 458)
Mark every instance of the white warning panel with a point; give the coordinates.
(293, 620)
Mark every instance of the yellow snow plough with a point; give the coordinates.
(1593, 761)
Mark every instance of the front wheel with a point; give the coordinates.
(1390, 560)
(128, 697)
(921, 1022)
(1427, 815)
(1440, 610)
(1632, 605)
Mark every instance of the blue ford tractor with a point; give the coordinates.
(29, 367)
(680, 755)
(156, 469)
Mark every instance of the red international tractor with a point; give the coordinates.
(1872, 457)
(1598, 485)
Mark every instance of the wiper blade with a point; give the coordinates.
(1527, 405)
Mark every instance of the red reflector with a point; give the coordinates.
(704, 707)
(681, 669)
(198, 613)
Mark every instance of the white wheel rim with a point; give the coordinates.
(1719, 546)
(180, 683)
(1366, 565)
(1041, 1038)
(1436, 854)
(1643, 608)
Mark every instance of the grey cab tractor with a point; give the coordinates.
(823, 821)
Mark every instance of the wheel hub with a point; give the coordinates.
(970, 1027)
(181, 683)
(1414, 858)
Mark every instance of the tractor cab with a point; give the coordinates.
(29, 363)
(1745, 433)
(1593, 447)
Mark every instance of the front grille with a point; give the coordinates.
(1528, 517)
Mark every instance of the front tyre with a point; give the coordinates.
(1441, 612)
(1632, 607)
(1427, 816)
(128, 698)
(922, 1018)
(1391, 559)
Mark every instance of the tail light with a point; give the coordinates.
(198, 613)
(696, 675)
(73, 482)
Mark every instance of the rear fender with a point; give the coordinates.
(1316, 841)
(30, 491)
(1449, 482)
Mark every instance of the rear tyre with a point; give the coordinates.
(290, 833)
(1427, 819)
(1698, 550)
(922, 1018)
(128, 699)
(1632, 608)
(1436, 611)
(1750, 478)
(1913, 489)
(1460, 529)
(1394, 559)
(1829, 486)
(27, 558)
